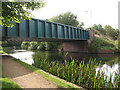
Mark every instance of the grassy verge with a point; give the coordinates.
(103, 43)
(54, 80)
(6, 83)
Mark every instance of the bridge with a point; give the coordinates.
(42, 30)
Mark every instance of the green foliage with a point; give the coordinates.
(42, 46)
(102, 43)
(67, 18)
(111, 32)
(1, 48)
(51, 56)
(4, 43)
(79, 73)
(53, 46)
(2, 52)
(98, 29)
(81, 25)
(118, 42)
(11, 43)
(107, 30)
(33, 46)
(12, 11)
(25, 45)
(6, 83)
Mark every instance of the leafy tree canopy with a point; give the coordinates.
(111, 31)
(67, 18)
(99, 28)
(12, 11)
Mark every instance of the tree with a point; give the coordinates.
(81, 25)
(67, 18)
(111, 32)
(13, 11)
(94, 27)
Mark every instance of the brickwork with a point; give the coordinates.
(78, 46)
(102, 51)
(105, 51)
(91, 35)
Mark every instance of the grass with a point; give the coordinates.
(103, 43)
(2, 52)
(6, 83)
(54, 80)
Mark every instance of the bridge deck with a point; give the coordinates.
(42, 30)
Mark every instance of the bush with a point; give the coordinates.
(42, 46)
(33, 46)
(4, 43)
(97, 32)
(25, 45)
(53, 46)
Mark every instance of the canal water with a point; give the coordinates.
(110, 62)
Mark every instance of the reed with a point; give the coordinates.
(80, 73)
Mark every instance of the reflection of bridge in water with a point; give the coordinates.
(75, 39)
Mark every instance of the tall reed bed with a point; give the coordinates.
(79, 73)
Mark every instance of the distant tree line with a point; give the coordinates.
(107, 30)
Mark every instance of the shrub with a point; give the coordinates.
(4, 44)
(53, 46)
(42, 46)
(33, 46)
(25, 45)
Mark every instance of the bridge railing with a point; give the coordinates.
(37, 28)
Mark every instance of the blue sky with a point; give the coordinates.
(104, 12)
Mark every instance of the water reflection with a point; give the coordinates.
(23, 55)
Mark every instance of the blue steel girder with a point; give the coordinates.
(43, 30)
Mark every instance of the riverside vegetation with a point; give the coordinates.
(80, 73)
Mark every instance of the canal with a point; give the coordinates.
(110, 62)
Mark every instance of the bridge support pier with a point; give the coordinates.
(75, 46)
(78, 46)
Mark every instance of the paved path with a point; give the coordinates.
(23, 76)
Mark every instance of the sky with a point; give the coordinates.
(104, 12)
